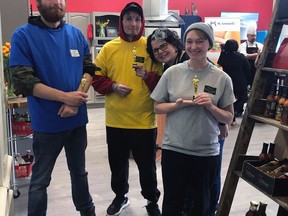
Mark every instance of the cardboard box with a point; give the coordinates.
(269, 185)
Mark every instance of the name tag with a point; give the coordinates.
(210, 90)
(139, 59)
(74, 53)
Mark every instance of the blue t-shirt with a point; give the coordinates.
(57, 56)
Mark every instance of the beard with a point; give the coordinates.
(51, 13)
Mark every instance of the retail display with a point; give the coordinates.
(260, 109)
(18, 129)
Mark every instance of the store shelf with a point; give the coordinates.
(265, 77)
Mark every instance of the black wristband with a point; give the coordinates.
(220, 123)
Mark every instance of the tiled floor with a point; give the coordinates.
(60, 202)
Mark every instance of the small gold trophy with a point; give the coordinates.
(134, 55)
(195, 84)
(83, 83)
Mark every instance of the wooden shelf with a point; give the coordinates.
(275, 70)
(264, 78)
(281, 200)
(18, 102)
(269, 121)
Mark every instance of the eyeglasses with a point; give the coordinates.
(162, 47)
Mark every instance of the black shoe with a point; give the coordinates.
(89, 212)
(238, 114)
(117, 205)
(153, 209)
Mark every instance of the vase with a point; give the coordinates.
(102, 31)
(8, 83)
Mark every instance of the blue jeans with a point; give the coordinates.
(46, 148)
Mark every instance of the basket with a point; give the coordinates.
(21, 128)
(23, 170)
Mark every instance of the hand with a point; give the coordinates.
(75, 98)
(140, 71)
(223, 131)
(67, 111)
(121, 90)
(203, 99)
(183, 102)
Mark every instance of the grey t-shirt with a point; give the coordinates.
(193, 130)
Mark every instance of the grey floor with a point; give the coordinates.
(60, 202)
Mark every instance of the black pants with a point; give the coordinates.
(142, 144)
(181, 172)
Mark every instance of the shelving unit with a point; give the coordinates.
(12, 139)
(264, 77)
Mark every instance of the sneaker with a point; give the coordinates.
(117, 205)
(153, 209)
(89, 212)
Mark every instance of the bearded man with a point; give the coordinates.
(49, 58)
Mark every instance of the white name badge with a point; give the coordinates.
(74, 53)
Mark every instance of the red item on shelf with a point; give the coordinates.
(21, 128)
(280, 60)
(23, 170)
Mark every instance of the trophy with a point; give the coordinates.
(83, 82)
(134, 55)
(195, 84)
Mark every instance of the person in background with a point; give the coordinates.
(190, 147)
(237, 67)
(251, 49)
(51, 64)
(127, 78)
(164, 45)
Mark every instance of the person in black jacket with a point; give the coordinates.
(237, 67)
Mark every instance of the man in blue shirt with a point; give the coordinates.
(51, 65)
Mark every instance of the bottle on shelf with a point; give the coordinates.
(278, 94)
(253, 209)
(26, 117)
(262, 209)
(270, 107)
(18, 159)
(280, 105)
(270, 154)
(284, 115)
(194, 11)
(264, 154)
(28, 157)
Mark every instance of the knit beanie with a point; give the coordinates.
(205, 28)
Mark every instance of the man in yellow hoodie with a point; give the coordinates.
(127, 77)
